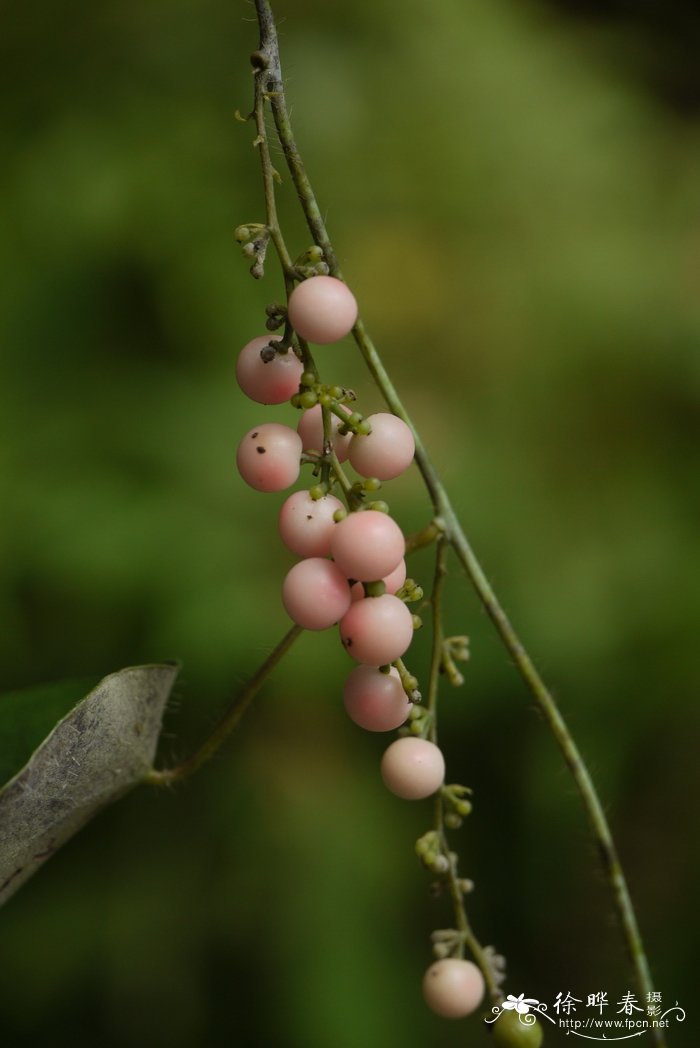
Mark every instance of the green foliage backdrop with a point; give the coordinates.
(519, 220)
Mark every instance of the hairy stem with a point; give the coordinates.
(438, 638)
(230, 720)
(446, 519)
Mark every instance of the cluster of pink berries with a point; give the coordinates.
(352, 565)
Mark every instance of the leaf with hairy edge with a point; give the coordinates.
(101, 749)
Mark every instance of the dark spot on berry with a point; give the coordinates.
(253, 435)
(309, 516)
(347, 641)
(260, 451)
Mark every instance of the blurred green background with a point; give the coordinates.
(513, 192)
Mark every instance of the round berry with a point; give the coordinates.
(310, 429)
(413, 768)
(377, 630)
(315, 594)
(387, 451)
(322, 309)
(512, 1031)
(453, 988)
(367, 545)
(268, 457)
(306, 524)
(375, 700)
(270, 382)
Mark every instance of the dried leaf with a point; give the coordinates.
(101, 749)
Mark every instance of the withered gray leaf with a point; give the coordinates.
(96, 753)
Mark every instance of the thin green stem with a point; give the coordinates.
(438, 638)
(467, 935)
(268, 174)
(425, 537)
(230, 720)
(447, 520)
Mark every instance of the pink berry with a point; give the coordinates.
(310, 429)
(315, 594)
(268, 457)
(322, 309)
(413, 768)
(367, 545)
(306, 525)
(270, 382)
(387, 451)
(453, 988)
(393, 581)
(377, 630)
(375, 700)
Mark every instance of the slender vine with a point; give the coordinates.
(444, 530)
(230, 720)
(446, 519)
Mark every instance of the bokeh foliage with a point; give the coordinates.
(519, 218)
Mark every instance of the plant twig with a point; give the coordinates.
(466, 933)
(269, 71)
(229, 721)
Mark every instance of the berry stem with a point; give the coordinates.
(438, 638)
(229, 721)
(467, 936)
(269, 75)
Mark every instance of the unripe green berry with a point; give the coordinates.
(340, 514)
(308, 399)
(363, 428)
(307, 379)
(318, 491)
(325, 400)
(336, 392)
(510, 1030)
(375, 589)
(296, 401)
(372, 484)
(380, 506)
